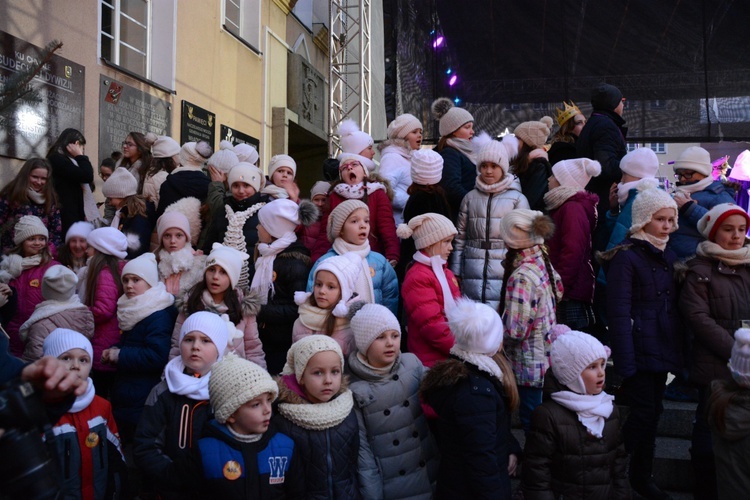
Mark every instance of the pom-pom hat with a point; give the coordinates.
(353, 140)
(576, 173)
(28, 226)
(402, 125)
(739, 363)
(229, 259)
(711, 221)
(368, 321)
(641, 163)
(193, 155)
(225, 158)
(346, 268)
(451, 117)
(59, 283)
(427, 229)
(62, 340)
(477, 327)
(534, 133)
(522, 228)
(426, 167)
(570, 353)
(282, 216)
(493, 152)
(246, 153)
(235, 381)
(110, 241)
(339, 215)
(145, 267)
(646, 204)
(301, 351)
(694, 158)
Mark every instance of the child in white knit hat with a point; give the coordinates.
(72, 254)
(480, 250)
(177, 408)
(574, 447)
(282, 169)
(384, 378)
(348, 228)
(133, 214)
(430, 288)
(324, 310)
(319, 196)
(96, 468)
(180, 266)
(241, 396)
(218, 292)
(316, 409)
(404, 139)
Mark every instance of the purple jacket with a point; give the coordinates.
(107, 328)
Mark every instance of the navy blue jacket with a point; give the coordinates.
(139, 227)
(459, 177)
(182, 184)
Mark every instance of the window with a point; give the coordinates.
(242, 19)
(659, 148)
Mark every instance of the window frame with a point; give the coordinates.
(249, 12)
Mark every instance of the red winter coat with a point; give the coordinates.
(429, 337)
(106, 327)
(383, 239)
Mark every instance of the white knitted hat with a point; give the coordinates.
(576, 173)
(59, 283)
(235, 381)
(63, 340)
(28, 226)
(533, 133)
(338, 216)
(227, 258)
(641, 163)
(79, 229)
(427, 229)
(494, 152)
(711, 221)
(694, 158)
(477, 327)
(301, 351)
(426, 167)
(144, 266)
(225, 158)
(278, 161)
(368, 321)
(172, 219)
(570, 354)
(165, 147)
(646, 204)
(110, 241)
(246, 153)
(402, 125)
(120, 184)
(451, 117)
(353, 140)
(320, 187)
(523, 228)
(194, 154)
(739, 363)
(282, 216)
(209, 324)
(247, 173)
(346, 268)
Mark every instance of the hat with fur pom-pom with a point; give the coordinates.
(576, 173)
(570, 353)
(353, 140)
(477, 327)
(451, 117)
(427, 229)
(522, 228)
(193, 155)
(282, 216)
(493, 152)
(225, 158)
(533, 133)
(183, 214)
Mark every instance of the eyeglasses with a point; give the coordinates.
(350, 164)
(128, 144)
(687, 175)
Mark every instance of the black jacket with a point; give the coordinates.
(182, 184)
(534, 183)
(459, 176)
(67, 179)
(220, 223)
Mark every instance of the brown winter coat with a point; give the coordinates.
(78, 319)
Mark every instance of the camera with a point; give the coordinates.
(27, 466)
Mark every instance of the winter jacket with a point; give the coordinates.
(478, 249)
(182, 183)
(732, 446)
(217, 191)
(28, 291)
(382, 237)
(562, 460)
(534, 183)
(430, 338)
(384, 281)
(89, 454)
(395, 167)
(268, 468)
(685, 240)
(138, 230)
(530, 302)
(106, 327)
(644, 323)
(309, 234)
(713, 303)
(570, 246)
(398, 456)
(459, 175)
(78, 319)
(276, 318)
(67, 179)
(618, 227)
(143, 354)
(419, 203)
(329, 456)
(473, 431)
(169, 429)
(9, 215)
(152, 186)
(248, 347)
(561, 150)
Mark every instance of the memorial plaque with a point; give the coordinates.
(236, 137)
(197, 124)
(32, 128)
(124, 109)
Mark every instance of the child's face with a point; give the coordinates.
(78, 361)
(326, 290)
(731, 233)
(491, 173)
(552, 182)
(320, 200)
(198, 352)
(104, 173)
(130, 149)
(414, 138)
(38, 179)
(217, 280)
(263, 235)
(242, 190)
(173, 240)
(321, 379)
(134, 285)
(352, 172)
(368, 152)
(78, 246)
(282, 176)
(442, 248)
(593, 377)
(116, 202)
(662, 223)
(384, 349)
(356, 228)
(33, 245)
(252, 417)
(465, 132)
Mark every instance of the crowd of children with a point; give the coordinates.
(238, 341)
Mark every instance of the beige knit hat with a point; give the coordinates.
(225, 158)
(246, 153)
(172, 219)
(646, 204)
(534, 134)
(427, 229)
(28, 226)
(59, 283)
(194, 154)
(576, 173)
(301, 351)
(339, 215)
(278, 161)
(247, 173)
(320, 187)
(694, 158)
(494, 152)
(165, 147)
(402, 125)
(522, 228)
(235, 381)
(451, 117)
(426, 167)
(368, 321)
(120, 184)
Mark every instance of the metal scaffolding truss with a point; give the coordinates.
(350, 64)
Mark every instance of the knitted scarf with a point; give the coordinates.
(319, 416)
(132, 310)
(436, 263)
(235, 237)
(464, 146)
(660, 243)
(35, 196)
(696, 186)
(315, 318)
(498, 187)
(185, 385)
(357, 191)
(84, 400)
(554, 198)
(275, 192)
(48, 308)
(592, 410)
(711, 250)
(482, 361)
(263, 278)
(13, 265)
(364, 281)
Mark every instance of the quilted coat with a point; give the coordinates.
(106, 327)
(78, 319)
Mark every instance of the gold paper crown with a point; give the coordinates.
(566, 114)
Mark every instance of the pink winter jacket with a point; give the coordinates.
(106, 327)
(344, 337)
(429, 337)
(78, 319)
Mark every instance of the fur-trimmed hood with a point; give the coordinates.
(443, 375)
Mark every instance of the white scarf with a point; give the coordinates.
(498, 187)
(263, 277)
(436, 263)
(185, 385)
(482, 361)
(592, 410)
(176, 262)
(465, 146)
(557, 196)
(35, 196)
(46, 309)
(660, 243)
(274, 191)
(711, 250)
(357, 191)
(623, 189)
(13, 265)
(319, 416)
(696, 186)
(132, 310)
(364, 283)
(90, 209)
(84, 400)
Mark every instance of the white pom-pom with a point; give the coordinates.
(479, 141)
(150, 139)
(341, 309)
(510, 142)
(403, 231)
(593, 168)
(232, 331)
(301, 297)
(134, 242)
(647, 183)
(204, 149)
(348, 127)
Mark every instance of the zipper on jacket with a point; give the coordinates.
(182, 434)
(487, 246)
(329, 462)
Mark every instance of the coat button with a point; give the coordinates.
(658, 294)
(395, 377)
(406, 403)
(402, 472)
(421, 463)
(415, 434)
(653, 269)
(395, 442)
(386, 412)
(667, 292)
(475, 388)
